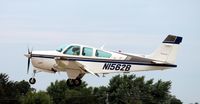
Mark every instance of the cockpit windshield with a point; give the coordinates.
(73, 50)
(60, 49)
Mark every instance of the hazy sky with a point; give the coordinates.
(134, 26)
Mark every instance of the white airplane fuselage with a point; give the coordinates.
(77, 60)
(105, 66)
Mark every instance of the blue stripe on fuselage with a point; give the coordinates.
(103, 60)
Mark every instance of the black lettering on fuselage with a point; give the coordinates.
(106, 66)
(128, 67)
(123, 67)
(117, 67)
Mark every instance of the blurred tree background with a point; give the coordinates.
(125, 89)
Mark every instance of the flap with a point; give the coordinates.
(86, 68)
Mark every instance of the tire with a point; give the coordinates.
(70, 83)
(77, 82)
(32, 80)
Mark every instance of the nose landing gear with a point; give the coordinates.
(32, 80)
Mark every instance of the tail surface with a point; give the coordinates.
(168, 50)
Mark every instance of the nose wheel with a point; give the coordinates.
(32, 80)
(74, 82)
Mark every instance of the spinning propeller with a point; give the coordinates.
(29, 55)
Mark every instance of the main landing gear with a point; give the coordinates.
(74, 82)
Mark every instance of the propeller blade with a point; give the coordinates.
(28, 51)
(29, 59)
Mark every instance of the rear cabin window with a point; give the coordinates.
(103, 54)
(87, 51)
(73, 50)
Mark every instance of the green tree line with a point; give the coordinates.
(122, 89)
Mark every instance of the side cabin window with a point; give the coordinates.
(103, 54)
(73, 50)
(87, 51)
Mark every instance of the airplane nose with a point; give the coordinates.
(43, 64)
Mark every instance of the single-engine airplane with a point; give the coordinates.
(77, 60)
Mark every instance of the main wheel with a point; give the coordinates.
(77, 82)
(32, 80)
(70, 82)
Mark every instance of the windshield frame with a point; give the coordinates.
(61, 48)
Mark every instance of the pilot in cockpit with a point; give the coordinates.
(76, 51)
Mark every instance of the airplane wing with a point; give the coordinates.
(89, 71)
(77, 65)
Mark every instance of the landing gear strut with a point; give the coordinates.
(73, 82)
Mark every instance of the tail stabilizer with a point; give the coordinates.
(168, 50)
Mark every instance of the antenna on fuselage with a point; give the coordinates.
(102, 47)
